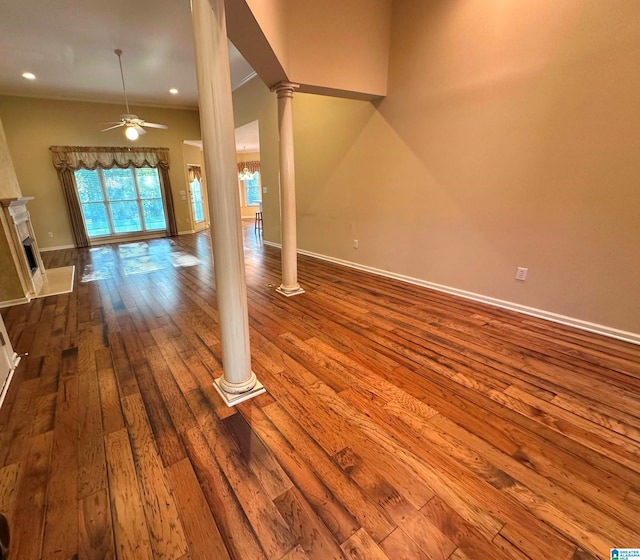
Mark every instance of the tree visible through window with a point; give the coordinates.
(252, 190)
(120, 201)
(196, 200)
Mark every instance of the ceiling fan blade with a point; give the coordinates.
(154, 125)
(112, 127)
(140, 130)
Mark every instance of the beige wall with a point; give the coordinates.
(32, 125)
(246, 211)
(271, 16)
(509, 137)
(10, 285)
(333, 46)
(9, 187)
(340, 45)
(251, 102)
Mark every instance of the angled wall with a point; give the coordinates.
(511, 143)
(333, 47)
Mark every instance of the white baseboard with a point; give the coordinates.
(58, 248)
(12, 302)
(611, 332)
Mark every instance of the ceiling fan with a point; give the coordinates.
(132, 123)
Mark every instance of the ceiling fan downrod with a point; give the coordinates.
(124, 88)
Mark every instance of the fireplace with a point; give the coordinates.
(20, 261)
(27, 244)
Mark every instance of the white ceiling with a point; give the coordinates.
(69, 44)
(247, 137)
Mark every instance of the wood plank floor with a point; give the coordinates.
(399, 423)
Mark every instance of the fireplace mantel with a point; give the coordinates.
(20, 259)
(16, 201)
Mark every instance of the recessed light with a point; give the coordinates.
(28, 75)
(173, 91)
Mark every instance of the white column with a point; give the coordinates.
(238, 382)
(289, 286)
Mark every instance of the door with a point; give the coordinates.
(196, 190)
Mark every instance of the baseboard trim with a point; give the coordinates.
(596, 328)
(12, 302)
(58, 248)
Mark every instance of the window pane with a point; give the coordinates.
(153, 214)
(252, 189)
(198, 211)
(196, 200)
(95, 218)
(115, 201)
(125, 217)
(119, 184)
(148, 182)
(88, 183)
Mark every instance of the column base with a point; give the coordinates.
(289, 293)
(232, 399)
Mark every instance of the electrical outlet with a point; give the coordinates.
(50, 234)
(356, 243)
(264, 190)
(521, 273)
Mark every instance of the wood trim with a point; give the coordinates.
(12, 302)
(56, 248)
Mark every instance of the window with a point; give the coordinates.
(120, 201)
(252, 190)
(196, 200)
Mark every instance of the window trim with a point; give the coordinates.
(244, 191)
(106, 202)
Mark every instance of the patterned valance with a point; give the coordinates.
(252, 166)
(91, 157)
(194, 173)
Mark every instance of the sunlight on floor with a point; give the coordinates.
(57, 281)
(134, 258)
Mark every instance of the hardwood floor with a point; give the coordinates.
(399, 423)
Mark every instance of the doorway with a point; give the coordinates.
(196, 193)
(249, 176)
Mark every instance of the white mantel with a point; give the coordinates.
(21, 279)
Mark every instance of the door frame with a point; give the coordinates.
(198, 226)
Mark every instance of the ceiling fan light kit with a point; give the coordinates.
(132, 123)
(131, 133)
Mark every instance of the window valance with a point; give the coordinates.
(91, 157)
(252, 166)
(194, 173)
(68, 159)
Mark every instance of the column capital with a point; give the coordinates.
(285, 89)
